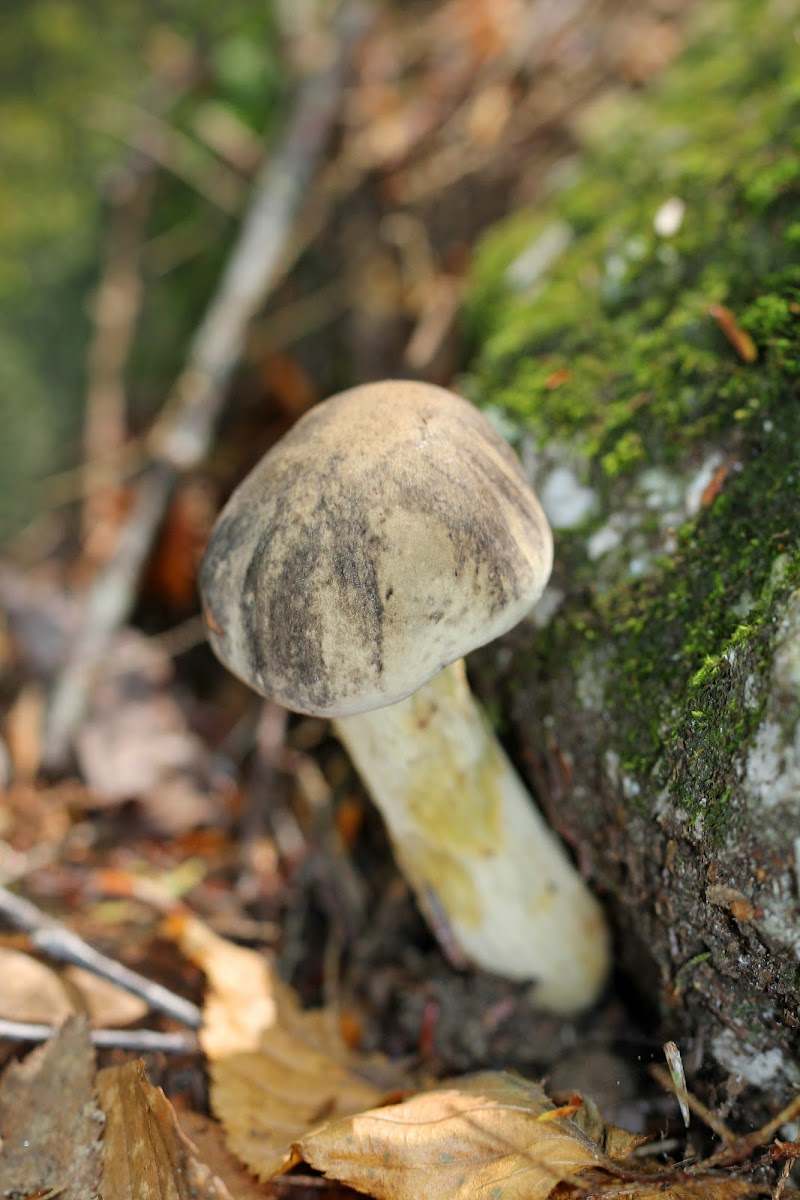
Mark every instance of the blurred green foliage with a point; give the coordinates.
(73, 73)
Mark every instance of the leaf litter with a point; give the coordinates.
(276, 1070)
(145, 1151)
(482, 1136)
(51, 1145)
(34, 992)
(288, 1091)
(110, 1133)
(491, 1136)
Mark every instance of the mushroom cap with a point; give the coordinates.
(391, 531)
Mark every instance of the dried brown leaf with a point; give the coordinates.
(616, 1143)
(481, 1136)
(208, 1136)
(107, 1004)
(136, 738)
(31, 991)
(146, 1155)
(620, 1143)
(276, 1071)
(49, 1122)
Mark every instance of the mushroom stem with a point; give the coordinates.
(476, 851)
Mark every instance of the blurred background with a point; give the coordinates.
(136, 142)
(130, 135)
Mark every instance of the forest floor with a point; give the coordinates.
(215, 845)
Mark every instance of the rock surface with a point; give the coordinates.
(650, 375)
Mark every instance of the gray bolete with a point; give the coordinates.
(391, 531)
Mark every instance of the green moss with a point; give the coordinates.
(657, 346)
(617, 354)
(627, 451)
(690, 644)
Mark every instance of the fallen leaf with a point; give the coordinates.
(615, 1142)
(136, 742)
(135, 733)
(276, 1070)
(42, 619)
(146, 1155)
(620, 1143)
(107, 1004)
(43, 1144)
(291, 388)
(482, 1135)
(208, 1136)
(31, 991)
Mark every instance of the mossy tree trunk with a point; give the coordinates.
(651, 375)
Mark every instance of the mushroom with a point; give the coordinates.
(390, 532)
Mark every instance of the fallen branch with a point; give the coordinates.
(182, 436)
(54, 939)
(144, 1041)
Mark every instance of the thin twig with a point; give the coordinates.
(174, 151)
(145, 1041)
(737, 1148)
(182, 637)
(781, 1181)
(710, 1119)
(341, 887)
(746, 1145)
(115, 310)
(183, 435)
(117, 302)
(54, 939)
(76, 483)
